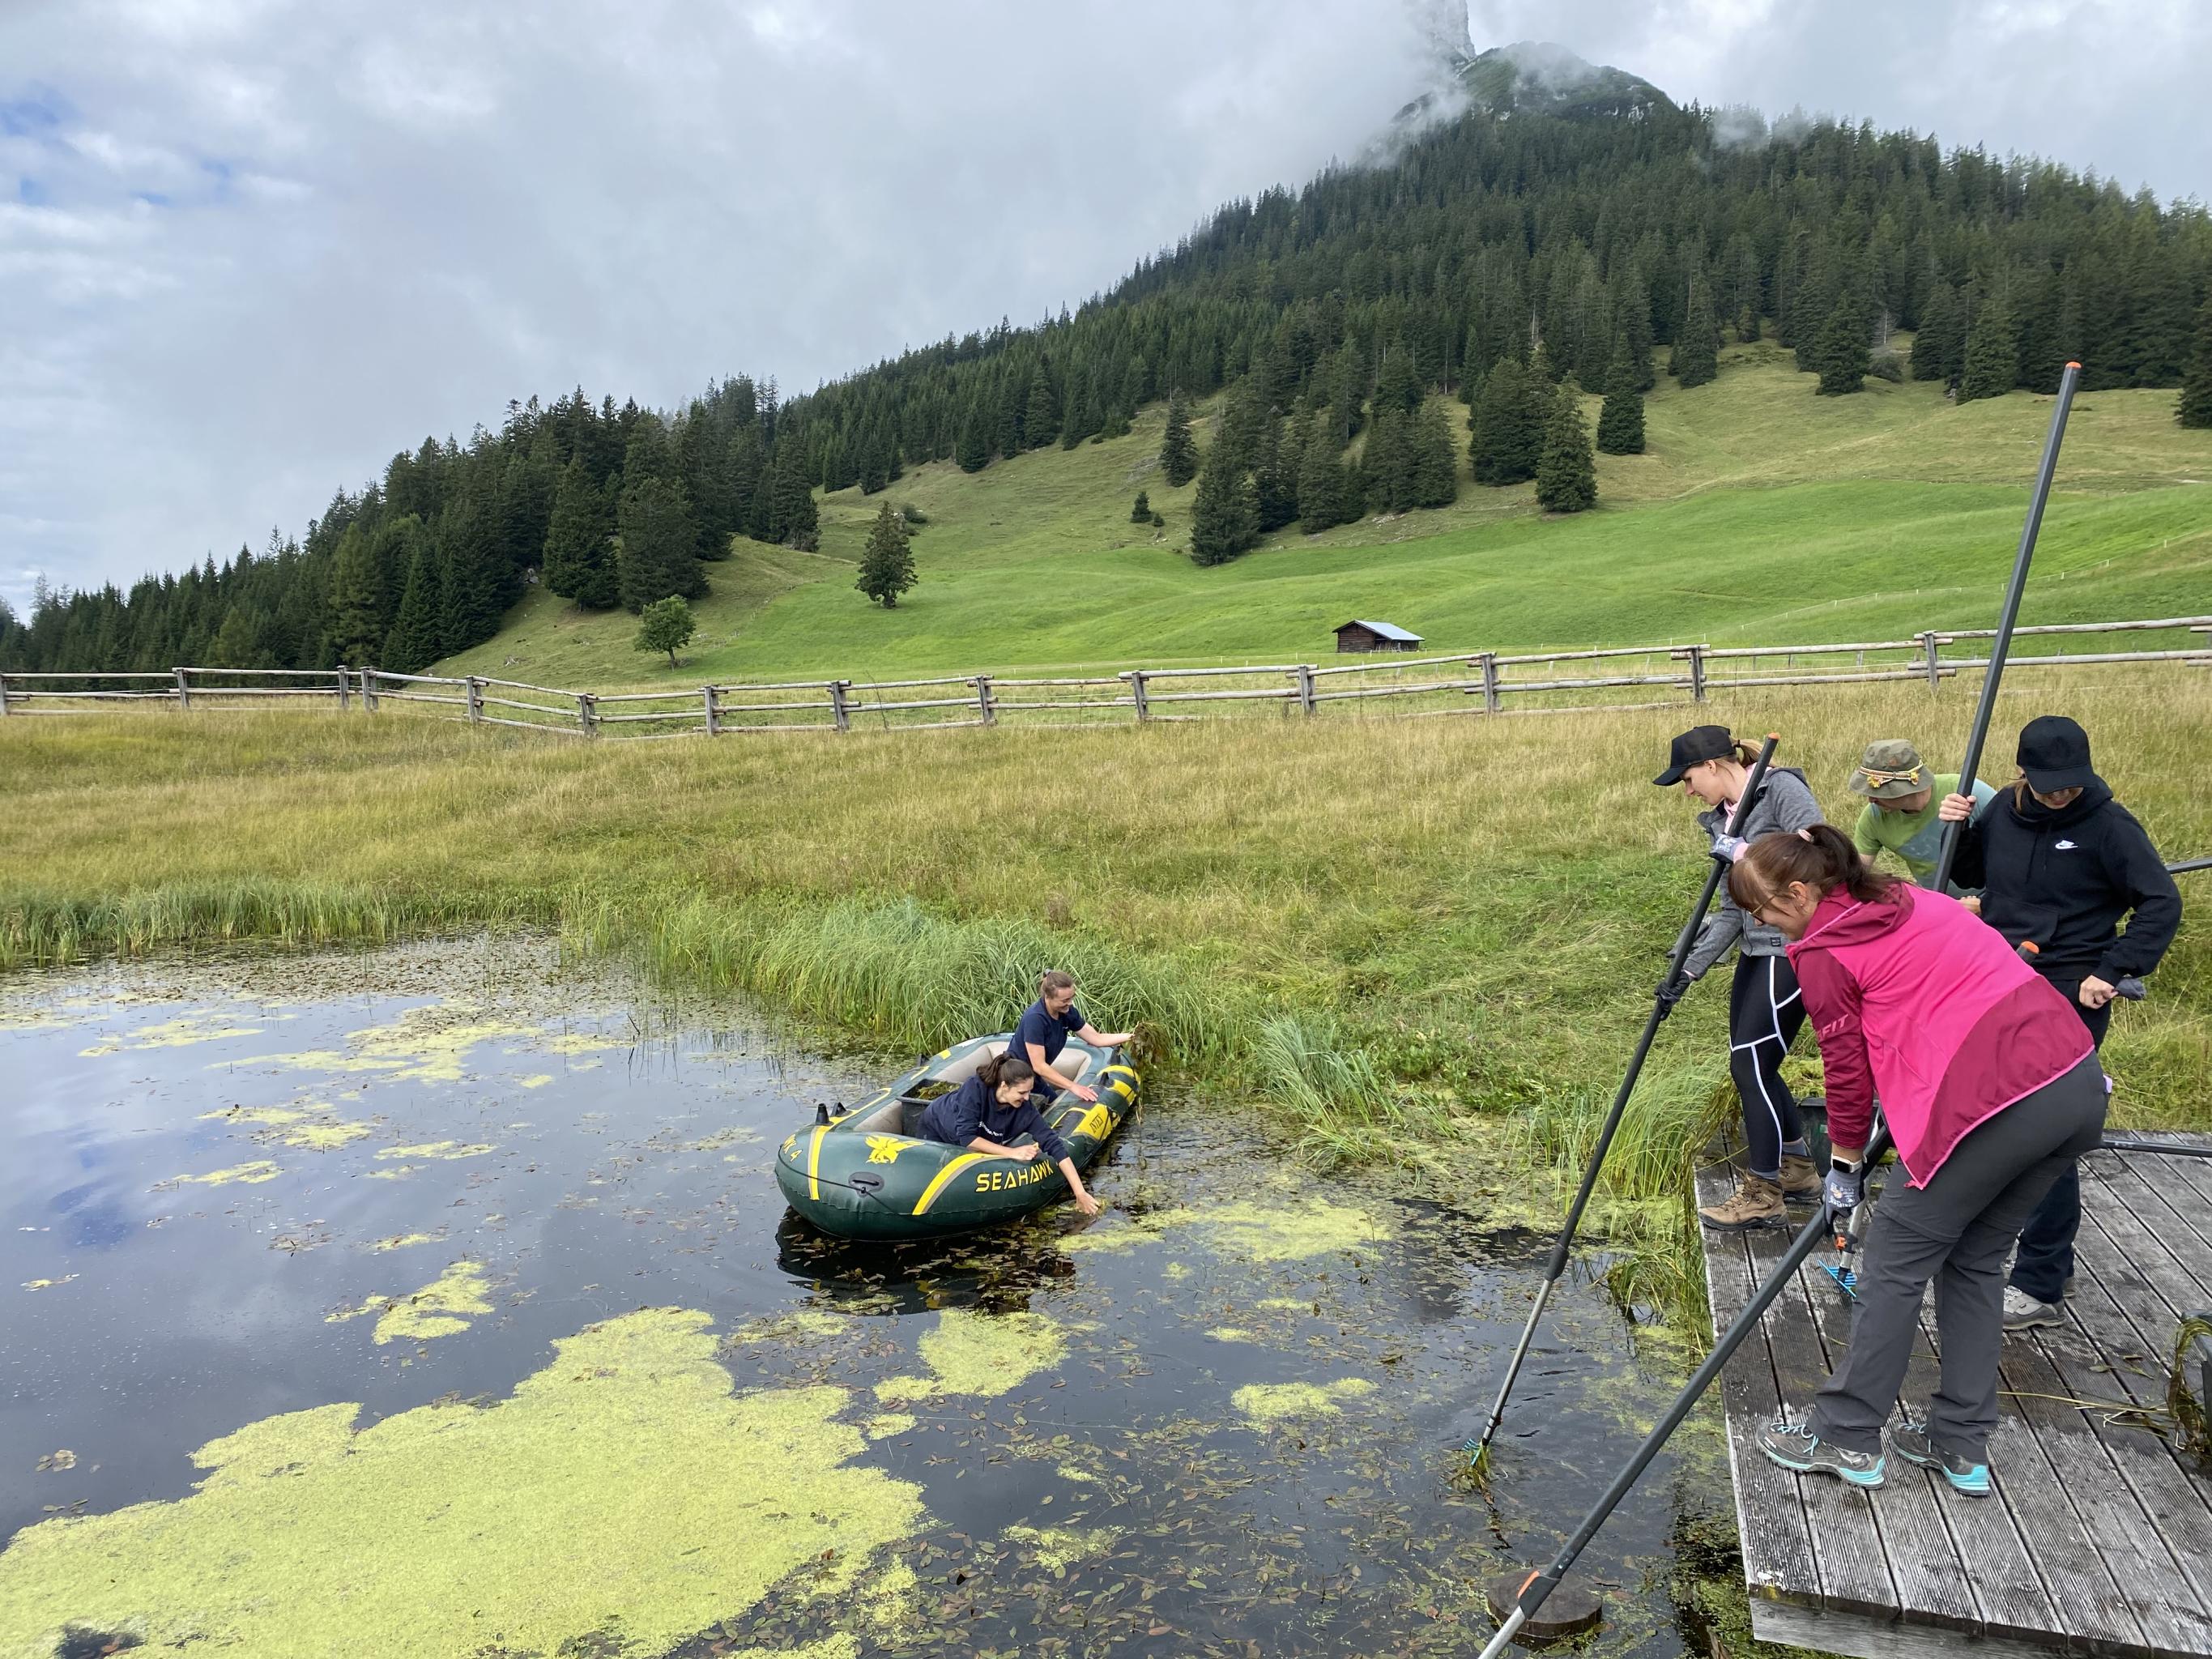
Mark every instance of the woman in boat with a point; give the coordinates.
(992, 1109)
(1764, 1012)
(1044, 1028)
(2060, 863)
(1991, 1093)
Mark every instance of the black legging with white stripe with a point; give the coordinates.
(1765, 1014)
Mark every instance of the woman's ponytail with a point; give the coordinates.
(1822, 857)
(1004, 1068)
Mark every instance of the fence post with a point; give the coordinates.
(1304, 670)
(1491, 702)
(1136, 678)
(1928, 644)
(983, 703)
(713, 711)
(368, 690)
(183, 689)
(345, 697)
(476, 698)
(4, 696)
(587, 713)
(1696, 653)
(840, 711)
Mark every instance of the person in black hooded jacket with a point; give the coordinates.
(2060, 863)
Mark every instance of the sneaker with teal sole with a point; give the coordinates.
(1795, 1447)
(1909, 1441)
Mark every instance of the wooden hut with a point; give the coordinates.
(1376, 636)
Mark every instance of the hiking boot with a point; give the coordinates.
(1909, 1441)
(1757, 1203)
(1801, 1181)
(2023, 1312)
(1795, 1447)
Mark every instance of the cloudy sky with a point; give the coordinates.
(250, 247)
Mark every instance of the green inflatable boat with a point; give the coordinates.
(868, 1174)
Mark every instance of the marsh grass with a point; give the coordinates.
(1386, 929)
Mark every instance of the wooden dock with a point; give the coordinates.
(2098, 1539)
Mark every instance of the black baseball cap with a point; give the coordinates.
(2054, 752)
(1696, 746)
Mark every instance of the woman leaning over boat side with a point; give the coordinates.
(995, 1109)
(1991, 1094)
(1764, 1012)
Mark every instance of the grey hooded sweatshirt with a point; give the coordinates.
(1783, 803)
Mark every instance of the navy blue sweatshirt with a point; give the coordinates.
(973, 1110)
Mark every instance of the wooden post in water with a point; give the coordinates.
(713, 711)
(990, 710)
(1304, 670)
(840, 710)
(1136, 678)
(476, 698)
(183, 689)
(1928, 645)
(345, 698)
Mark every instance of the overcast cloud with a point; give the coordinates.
(250, 247)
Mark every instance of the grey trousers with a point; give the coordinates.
(1957, 1229)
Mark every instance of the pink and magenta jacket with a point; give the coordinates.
(1919, 1000)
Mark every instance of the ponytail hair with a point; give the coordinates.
(1822, 857)
(1008, 1067)
(1746, 756)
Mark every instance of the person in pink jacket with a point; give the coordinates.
(1991, 1087)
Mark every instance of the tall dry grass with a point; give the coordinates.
(1385, 927)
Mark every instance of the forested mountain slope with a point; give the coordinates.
(1341, 319)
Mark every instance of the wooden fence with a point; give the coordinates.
(1477, 683)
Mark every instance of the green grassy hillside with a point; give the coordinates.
(1759, 513)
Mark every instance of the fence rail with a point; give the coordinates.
(1469, 683)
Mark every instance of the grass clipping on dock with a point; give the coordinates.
(622, 1500)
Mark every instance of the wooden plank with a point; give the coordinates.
(1855, 1576)
(1922, 1563)
(2180, 1175)
(1778, 1547)
(2174, 1216)
(1985, 1536)
(1863, 1638)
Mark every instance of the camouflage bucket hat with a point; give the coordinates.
(1890, 768)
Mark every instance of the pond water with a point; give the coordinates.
(440, 1300)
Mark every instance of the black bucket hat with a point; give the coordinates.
(2054, 752)
(1694, 747)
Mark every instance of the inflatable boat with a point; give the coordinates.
(868, 1174)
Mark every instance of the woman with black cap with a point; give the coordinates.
(2060, 862)
(1765, 1014)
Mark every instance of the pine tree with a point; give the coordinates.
(2194, 408)
(1621, 421)
(1509, 425)
(413, 644)
(887, 562)
(1433, 468)
(1566, 474)
(1992, 353)
(1939, 342)
(1347, 392)
(665, 625)
(658, 555)
(1178, 451)
(469, 542)
(1696, 346)
(1041, 415)
(579, 555)
(1224, 518)
(1839, 352)
(354, 629)
(1275, 478)
(974, 453)
(1398, 386)
(1320, 477)
(1385, 459)
(1141, 511)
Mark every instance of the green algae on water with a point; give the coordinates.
(1058, 1548)
(251, 1173)
(436, 1309)
(444, 1149)
(402, 1241)
(623, 1486)
(1294, 1231)
(979, 1354)
(171, 1034)
(1265, 1403)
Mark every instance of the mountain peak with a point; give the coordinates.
(1541, 77)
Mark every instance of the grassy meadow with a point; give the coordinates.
(1759, 513)
(1429, 940)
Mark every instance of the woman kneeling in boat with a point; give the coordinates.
(1991, 1087)
(992, 1108)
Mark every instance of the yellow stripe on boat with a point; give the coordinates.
(814, 1163)
(937, 1185)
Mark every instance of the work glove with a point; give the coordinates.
(1728, 849)
(1670, 992)
(1843, 1188)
